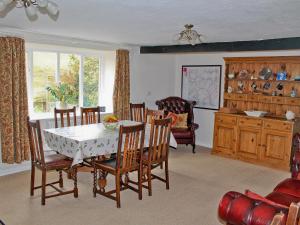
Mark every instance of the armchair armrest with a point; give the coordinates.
(238, 209)
(295, 167)
(193, 126)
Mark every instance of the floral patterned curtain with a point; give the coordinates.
(13, 101)
(121, 96)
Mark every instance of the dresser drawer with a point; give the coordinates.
(252, 97)
(266, 99)
(278, 125)
(240, 97)
(277, 100)
(250, 122)
(228, 96)
(292, 101)
(226, 119)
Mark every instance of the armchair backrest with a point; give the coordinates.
(177, 105)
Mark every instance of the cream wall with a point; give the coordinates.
(152, 77)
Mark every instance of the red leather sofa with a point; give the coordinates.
(240, 209)
(178, 105)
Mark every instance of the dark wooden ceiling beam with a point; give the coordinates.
(260, 45)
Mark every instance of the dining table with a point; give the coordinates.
(91, 140)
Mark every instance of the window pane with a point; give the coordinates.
(44, 70)
(90, 81)
(69, 74)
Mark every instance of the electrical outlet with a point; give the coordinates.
(102, 109)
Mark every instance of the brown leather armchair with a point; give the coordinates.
(178, 105)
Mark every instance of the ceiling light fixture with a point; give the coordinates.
(31, 6)
(189, 36)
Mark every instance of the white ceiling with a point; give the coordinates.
(155, 22)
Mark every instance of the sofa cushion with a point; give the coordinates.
(181, 120)
(289, 186)
(182, 133)
(282, 198)
(256, 196)
(173, 117)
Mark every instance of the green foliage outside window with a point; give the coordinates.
(46, 91)
(91, 81)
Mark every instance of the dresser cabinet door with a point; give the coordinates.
(248, 140)
(224, 138)
(276, 148)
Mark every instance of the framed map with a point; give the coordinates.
(202, 83)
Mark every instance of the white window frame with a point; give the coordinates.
(64, 50)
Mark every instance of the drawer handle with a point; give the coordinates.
(258, 124)
(268, 125)
(241, 121)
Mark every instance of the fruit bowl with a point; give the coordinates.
(110, 125)
(256, 113)
(110, 122)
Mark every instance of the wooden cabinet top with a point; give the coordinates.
(263, 59)
(266, 118)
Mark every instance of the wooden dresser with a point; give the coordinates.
(264, 140)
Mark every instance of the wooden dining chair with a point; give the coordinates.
(62, 113)
(158, 152)
(131, 142)
(47, 163)
(137, 112)
(90, 115)
(153, 114)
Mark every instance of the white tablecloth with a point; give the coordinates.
(84, 141)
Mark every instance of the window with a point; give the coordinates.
(91, 70)
(44, 73)
(80, 70)
(69, 74)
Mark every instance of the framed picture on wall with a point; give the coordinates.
(202, 83)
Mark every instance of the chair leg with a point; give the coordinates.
(140, 172)
(149, 180)
(32, 180)
(61, 181)
(161, 166)
(44, 186)
(118, 183)
(194, 148)
(75, 182)
(167, 174)
(95, 182)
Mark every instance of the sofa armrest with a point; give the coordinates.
(238, 209)
(193, 126)
(295, 167)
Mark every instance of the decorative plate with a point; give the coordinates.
(243, 74)
(265, 73)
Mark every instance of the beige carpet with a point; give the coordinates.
(197, 182)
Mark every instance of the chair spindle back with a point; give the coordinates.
(159, 140)
(130, 147)
(90, 115)
(62, 113)
(153, 114)
(35, 141)
(137, 112)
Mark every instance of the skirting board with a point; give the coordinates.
(6, 169)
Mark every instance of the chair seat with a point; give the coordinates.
(107, 165)
(182, 133)
(56, 161)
